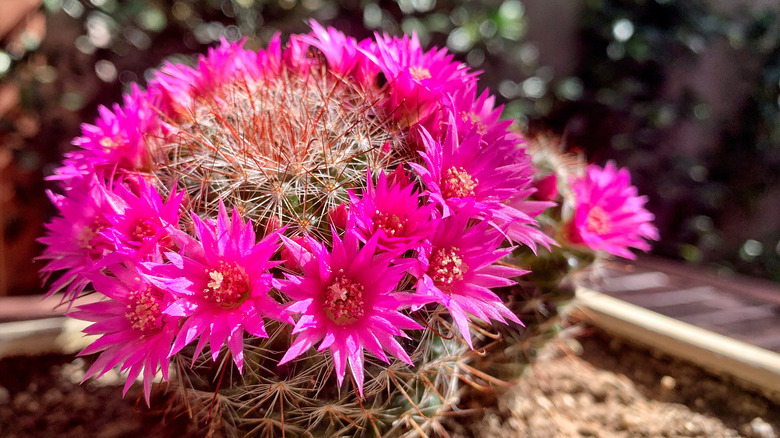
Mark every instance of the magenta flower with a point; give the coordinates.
(460, 269)
(472, 113)
(226, 63)
(221, 284)
(419, 80)
(342, 53)
(346, 299)
(116, 140)
(174, 85)
(495, 179)
(392, 210)
(178, 87)
(460, 173)
(134, 332)
(609, 215)
(74, 240)
(457, 174)
(141, 223)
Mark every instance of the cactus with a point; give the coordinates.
(323, 239)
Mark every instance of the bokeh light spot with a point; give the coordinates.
(623, 30)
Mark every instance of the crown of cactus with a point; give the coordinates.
(317, 238)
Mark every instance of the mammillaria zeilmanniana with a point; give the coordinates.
(317, 236)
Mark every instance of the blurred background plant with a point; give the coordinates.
(685, 93)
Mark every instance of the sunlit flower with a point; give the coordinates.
(418, 80)
(460, 269)
(221, 284)
(346, 299)
(609, 215)
(141, 223)
(342, 53)
(494, 180)
(134, 333)
(464, 172)
(74, 240)
(394, 211)
(115, 143)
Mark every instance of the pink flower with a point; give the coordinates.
(342, 53)
(134, 332)
(174, 85)
(419, 80)
(116, 140)
(221, 284)
(392, 210)
(226, 63)
(609, 215)
(346, 299)
(472, 113)
(457, 173)
(178, 87)
(495, 179)
(74, 240)
(141, 223)
(460, 269)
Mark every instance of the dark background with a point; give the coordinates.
(685, 93)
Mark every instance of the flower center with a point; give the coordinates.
(144, 229)
(109, 143)
(144, 312)
(344, 300)
(446, 267)
(228, 285)
(598, 221)
(391, 224)
(88, 236)
(419, 73)
(457, 183)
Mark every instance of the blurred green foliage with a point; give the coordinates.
(615, 105)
